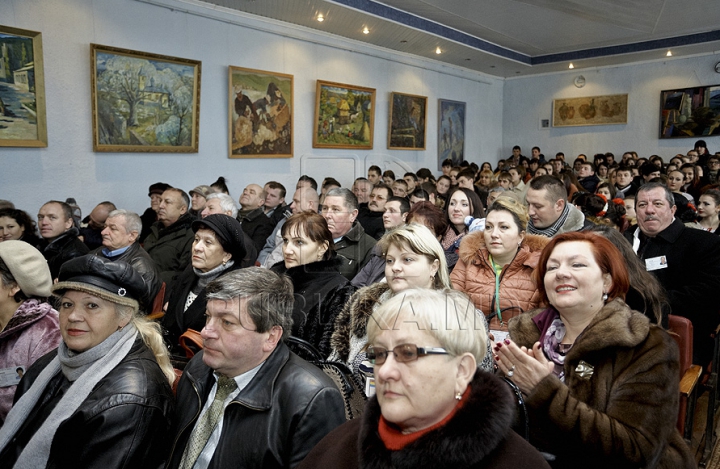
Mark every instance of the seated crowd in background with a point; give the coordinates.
(559, 271)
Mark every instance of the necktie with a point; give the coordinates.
(207, 422)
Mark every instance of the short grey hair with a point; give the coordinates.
(497, 189)
(349, 199)
(226, 203)
(648, 186)
(447, 315)
(269, 296)
(132, 219)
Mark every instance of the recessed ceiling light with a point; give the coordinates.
(669, 53)
(438, 50)
(320, 17)
(366, 30)
(571, 66)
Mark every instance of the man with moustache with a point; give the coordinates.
(686, 261)
(370, 216)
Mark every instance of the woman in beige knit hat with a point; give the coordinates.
(28, 324)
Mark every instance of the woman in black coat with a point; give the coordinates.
(217, 249)
(320, 290)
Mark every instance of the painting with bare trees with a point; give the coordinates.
(144, 102)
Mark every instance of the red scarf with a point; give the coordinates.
(396, 440)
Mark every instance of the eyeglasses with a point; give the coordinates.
(403, 353)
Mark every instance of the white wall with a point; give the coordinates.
(69, 168)
(527, 100)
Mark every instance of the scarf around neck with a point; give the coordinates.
(551, 230)
(84, 370)
(203, 278)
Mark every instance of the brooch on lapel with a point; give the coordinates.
(584, 370)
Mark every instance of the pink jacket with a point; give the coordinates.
(32, 332)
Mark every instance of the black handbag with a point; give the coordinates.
(522, 423)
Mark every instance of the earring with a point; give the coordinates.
(605, 296)
(458, 396)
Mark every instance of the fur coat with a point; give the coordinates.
(623, 414)
(474, 276)
(478, 435)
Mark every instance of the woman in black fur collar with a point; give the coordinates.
(433, 407)
(320, 290)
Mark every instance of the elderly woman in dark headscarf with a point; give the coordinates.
(218, 248)
(102, 399)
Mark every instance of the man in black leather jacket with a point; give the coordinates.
(120, 243)
(281, 406)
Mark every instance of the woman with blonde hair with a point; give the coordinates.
(496, 265)
(413, 259)
(103, 398)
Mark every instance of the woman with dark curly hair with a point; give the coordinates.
(17, 224)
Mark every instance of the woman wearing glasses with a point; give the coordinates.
(495, 266)
(433, 407)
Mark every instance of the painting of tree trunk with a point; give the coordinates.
(144, 102)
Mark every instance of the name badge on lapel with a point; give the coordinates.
(584, 370)
(655, 263)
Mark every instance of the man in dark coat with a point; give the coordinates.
(275, 406)
(352, 244)
(60, 241)
(252, 217)
(171, 236)
(686, 261)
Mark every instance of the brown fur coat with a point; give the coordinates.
(474, 276)
(624, 414)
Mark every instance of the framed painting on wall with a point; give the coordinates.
(591, 110)
(22, 89)
(260, 114)
(144, 102)
(451, 131)
(344, 116)
(690, 112)
(407, 122)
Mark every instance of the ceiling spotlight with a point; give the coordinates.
(571, 66)
(366, 30)
(438, 50)
(669, 54)
(320, 17)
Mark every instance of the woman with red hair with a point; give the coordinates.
(601, 381)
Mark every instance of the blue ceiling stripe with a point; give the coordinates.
(655, 44)
(416, 22)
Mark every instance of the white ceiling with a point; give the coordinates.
(510, 38)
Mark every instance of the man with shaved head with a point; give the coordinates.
(305, 199)
(252, 217)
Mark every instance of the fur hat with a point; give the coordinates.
(114, 281)
(28, 267)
